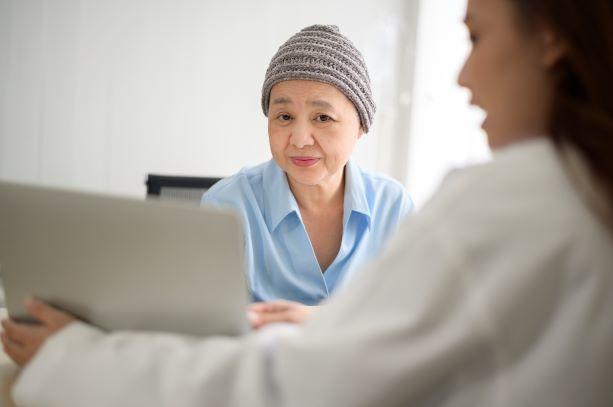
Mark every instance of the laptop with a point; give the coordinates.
(123, 264)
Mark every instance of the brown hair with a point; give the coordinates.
(583, 110)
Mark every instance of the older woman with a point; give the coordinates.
(311, 215)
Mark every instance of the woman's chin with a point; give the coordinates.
(495, 138)
(303, 178)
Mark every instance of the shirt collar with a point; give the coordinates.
(355, 194)
(282, 202)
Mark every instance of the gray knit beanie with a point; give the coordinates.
(321, 53)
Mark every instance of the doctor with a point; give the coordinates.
(498, 293)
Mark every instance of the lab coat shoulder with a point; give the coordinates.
(520, 206)
(519, 228)
(537, 262)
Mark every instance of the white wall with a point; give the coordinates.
(94, 94)
(444, 130)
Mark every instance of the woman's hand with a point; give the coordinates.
(21, 341)
(263, 313)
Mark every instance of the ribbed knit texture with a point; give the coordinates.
(321, 53)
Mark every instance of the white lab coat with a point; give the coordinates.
(498, 293)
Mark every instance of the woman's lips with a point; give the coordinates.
(304, 161)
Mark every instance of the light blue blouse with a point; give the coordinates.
(281, 263)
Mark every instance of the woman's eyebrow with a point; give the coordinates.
(281, 101)
(321, 103)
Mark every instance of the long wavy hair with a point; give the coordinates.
(583, 109)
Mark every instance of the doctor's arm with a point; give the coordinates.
(390, 336)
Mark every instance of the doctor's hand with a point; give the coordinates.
(264, 313)
(21, 341)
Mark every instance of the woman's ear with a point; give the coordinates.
(554, 48)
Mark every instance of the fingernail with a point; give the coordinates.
(253, 317)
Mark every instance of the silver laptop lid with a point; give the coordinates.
(123, 263)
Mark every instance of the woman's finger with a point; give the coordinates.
(254, 319)
(5, 341)
(258, 306)
(275, 317)
(25, 334)
(46, 314)
(14, 331)
(272, 306)
(265, 307)
(15, 351)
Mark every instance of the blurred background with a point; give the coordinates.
(95, 94)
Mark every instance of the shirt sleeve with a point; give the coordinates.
(407, 206)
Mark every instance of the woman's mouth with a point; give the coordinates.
(304, 161)
(484, 123)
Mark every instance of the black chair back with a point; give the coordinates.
(169, 187)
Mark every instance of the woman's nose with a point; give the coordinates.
(302, 135)
(463, 76)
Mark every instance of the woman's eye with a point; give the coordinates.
(284, 117)
(323, 118)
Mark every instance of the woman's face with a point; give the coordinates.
(509, 71)
(313, 129)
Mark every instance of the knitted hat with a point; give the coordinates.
(321, 53)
